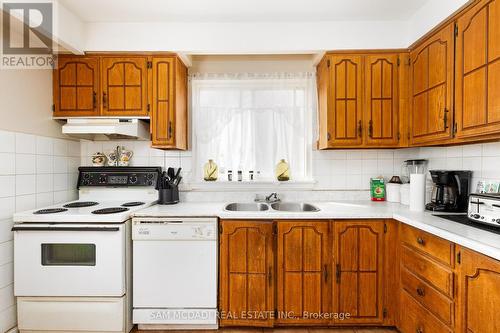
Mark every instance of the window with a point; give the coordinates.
(250, 122)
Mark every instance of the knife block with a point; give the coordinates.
(168, 196)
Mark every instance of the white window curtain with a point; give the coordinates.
(250, 122)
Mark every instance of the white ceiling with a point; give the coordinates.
(242, 10)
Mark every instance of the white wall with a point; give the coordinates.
(26, 102)
(429, 15)
(245, 38)
(266, 37)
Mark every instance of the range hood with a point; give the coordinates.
(101, 129)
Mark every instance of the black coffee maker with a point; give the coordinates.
(450, 192)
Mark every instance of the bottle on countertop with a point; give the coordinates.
(210, 171)
(282, 171)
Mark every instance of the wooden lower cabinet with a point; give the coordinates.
(358, 258)
(304, 288)
(304, 272)
(246, 284)
(478, 293)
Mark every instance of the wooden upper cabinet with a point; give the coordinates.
(124, 86)
(169, 103)
(478, 70)
(358, 257)
(359, 100)
(76, 85)
(381, 116)
(479, 293)
(246, 273)
(431, 89)
(343, 110)
(304, 272)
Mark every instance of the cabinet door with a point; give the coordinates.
(479, 293)
(163, 113)
(124, 86)
(304, 283)
(381, 114)
(345, 125)
(246, 293)
(76, 84)
(478, 70)
(358, 257)
(431, 89)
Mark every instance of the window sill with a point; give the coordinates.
(249, 185)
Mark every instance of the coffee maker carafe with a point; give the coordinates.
(450, 191)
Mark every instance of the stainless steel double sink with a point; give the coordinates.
(277, 206)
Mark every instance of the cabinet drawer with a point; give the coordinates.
(442, 250)
(430, 271)
(415, 319)
(427, 296)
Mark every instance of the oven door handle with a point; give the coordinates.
(19, 228)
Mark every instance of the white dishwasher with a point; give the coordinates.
(175, 273)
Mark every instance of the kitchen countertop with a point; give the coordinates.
(484, 242)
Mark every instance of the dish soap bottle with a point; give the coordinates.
(282, 171)
(210, 171)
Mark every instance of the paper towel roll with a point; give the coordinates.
(417, 192)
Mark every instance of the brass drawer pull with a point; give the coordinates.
(420, 291)
(420, 241)
(419, 330)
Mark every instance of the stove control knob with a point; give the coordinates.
(150, 176)
(102, 179)
(133, 179)
(86, 182)
(476, 216)
(150, 182)
(86, 175)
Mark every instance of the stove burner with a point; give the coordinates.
(50, 211)
(110, 210)
(133, 204)
(79, 204)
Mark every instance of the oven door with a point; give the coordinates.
(69, 260)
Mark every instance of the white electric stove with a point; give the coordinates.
(72, 261)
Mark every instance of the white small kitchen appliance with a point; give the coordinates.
(72, 262)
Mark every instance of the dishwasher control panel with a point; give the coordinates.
(174, 229)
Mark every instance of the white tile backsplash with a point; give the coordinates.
(8, 164)
(334, 170)
(25, 143)
(44, 164)
(25, 164)
(44, 146)
(8, 187)
(7, 142)
(482, 159)
(27, 182)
